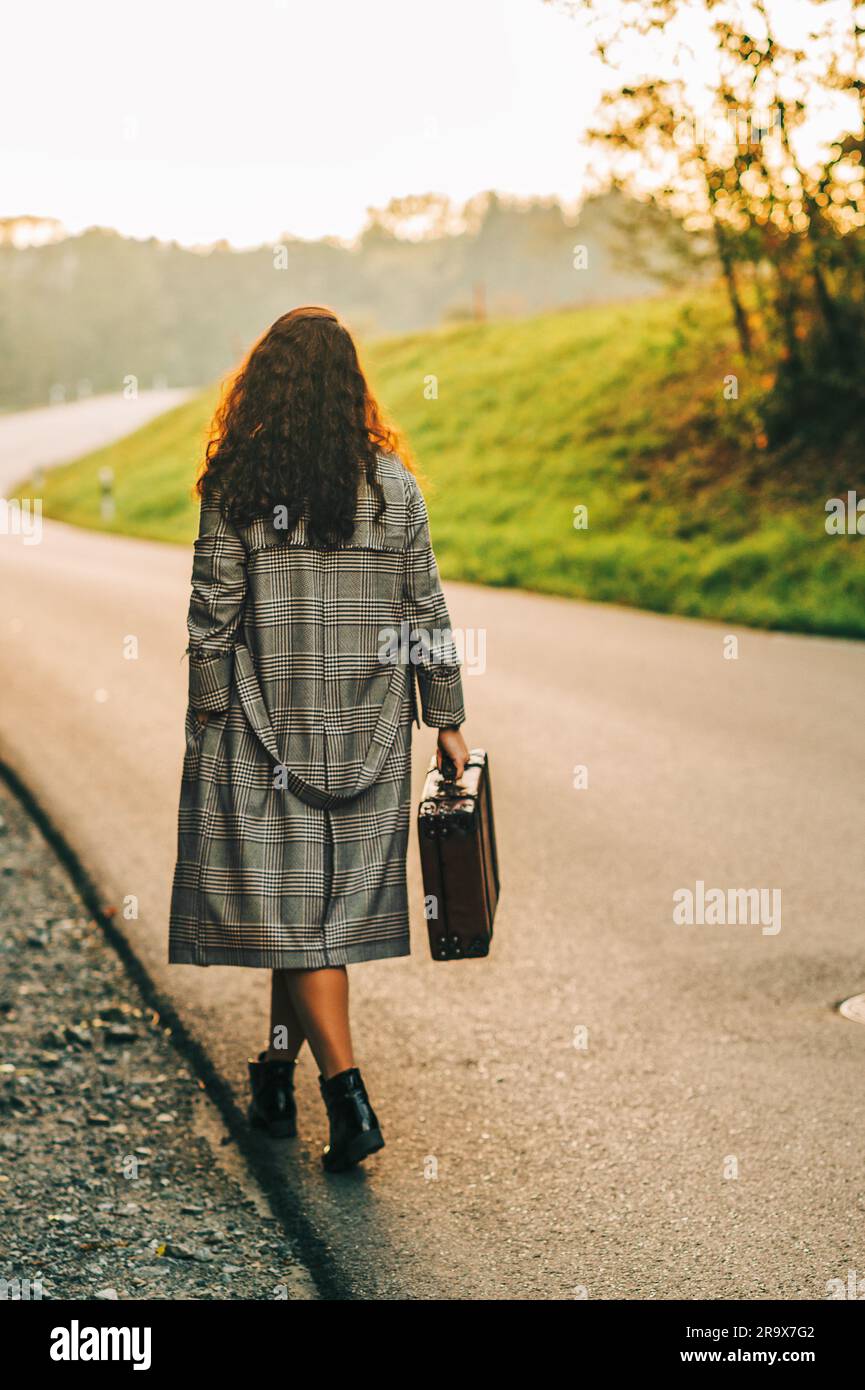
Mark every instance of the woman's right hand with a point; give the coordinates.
(452, 744)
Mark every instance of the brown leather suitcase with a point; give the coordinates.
(458, 859)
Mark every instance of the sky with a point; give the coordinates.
(201, 120)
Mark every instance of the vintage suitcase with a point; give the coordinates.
(458, 858)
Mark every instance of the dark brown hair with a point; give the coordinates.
(296, 426)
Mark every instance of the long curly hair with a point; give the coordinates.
(296, 427)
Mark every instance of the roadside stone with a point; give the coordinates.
(120, 1033)
(176, 1251)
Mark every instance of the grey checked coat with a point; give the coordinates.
(294, 803)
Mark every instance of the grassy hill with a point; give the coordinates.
(620, 410)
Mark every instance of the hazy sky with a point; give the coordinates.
(201, 119)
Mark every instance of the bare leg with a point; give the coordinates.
(286, 1032)
(320, 999)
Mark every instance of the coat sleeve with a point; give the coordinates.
(433, 653)
(215, 609)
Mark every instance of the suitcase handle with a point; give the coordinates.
(447, 768)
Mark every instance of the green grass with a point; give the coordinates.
(620, 409)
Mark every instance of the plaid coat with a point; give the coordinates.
(294, 801)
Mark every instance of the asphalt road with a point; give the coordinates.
(612, 1105)
(53, 434)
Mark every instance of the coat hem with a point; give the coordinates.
(292, 960)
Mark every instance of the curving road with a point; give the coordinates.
(52, 434)
(612, 1105)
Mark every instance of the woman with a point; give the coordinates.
(312, 568)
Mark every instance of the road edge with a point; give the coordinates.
(311, 1250)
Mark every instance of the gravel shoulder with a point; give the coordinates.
(118, 1179)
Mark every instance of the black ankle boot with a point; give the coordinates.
(272, 1106)
(354, 1131)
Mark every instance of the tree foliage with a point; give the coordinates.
(744, 118)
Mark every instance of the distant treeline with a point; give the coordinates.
(81, 314)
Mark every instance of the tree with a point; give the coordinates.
(718, 112)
